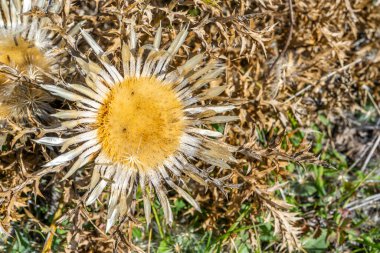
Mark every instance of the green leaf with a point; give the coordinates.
(319, 244)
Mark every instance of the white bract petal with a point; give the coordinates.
(71, 154)
(50, 141)
(74, 114)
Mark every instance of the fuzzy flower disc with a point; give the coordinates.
(140, 123)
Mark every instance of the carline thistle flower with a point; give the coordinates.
(27, 49)
(145, 127)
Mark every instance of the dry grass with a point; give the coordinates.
(306, 77)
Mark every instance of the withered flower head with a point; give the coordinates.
(27, 49)
(144, 127)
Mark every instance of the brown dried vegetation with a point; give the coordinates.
(287, 63)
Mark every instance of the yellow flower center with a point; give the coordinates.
(140, 122)
(20, 54)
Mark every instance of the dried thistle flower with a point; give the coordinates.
(144, 127)
(27, 50)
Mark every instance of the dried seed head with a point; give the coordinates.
(26, 53)
(25, 101)
(20, 100)
(24, 56)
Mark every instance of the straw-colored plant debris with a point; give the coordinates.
(189, 126)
